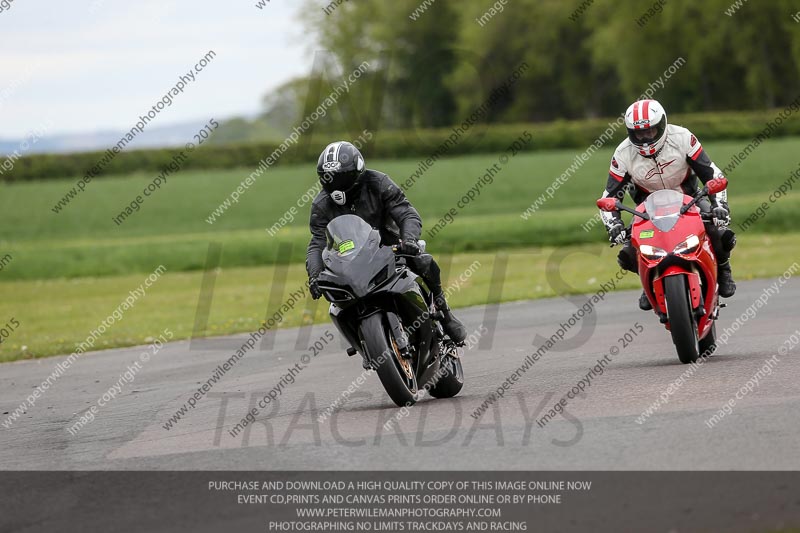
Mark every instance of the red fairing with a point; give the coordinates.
(694, 285)
(698, 265)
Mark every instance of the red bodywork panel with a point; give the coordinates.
(694, 286)
(702, 261)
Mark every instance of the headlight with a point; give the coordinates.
(333, 294)
(652, 252)
(688, 246)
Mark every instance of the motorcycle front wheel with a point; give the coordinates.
(395, 372)
(682, 324)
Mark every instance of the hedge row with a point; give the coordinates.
(478, 138)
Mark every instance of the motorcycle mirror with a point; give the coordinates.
(607, 204)
(717, 185)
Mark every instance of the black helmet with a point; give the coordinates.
(339, 167)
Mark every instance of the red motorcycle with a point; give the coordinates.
(677, 265)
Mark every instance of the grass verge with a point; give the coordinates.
(54, 315)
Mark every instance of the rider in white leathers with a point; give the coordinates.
(655, 156)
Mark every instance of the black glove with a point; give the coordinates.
(616, 232)
(409, 247)
(313, 288)
(722, 215)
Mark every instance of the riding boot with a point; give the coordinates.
(451, 325)
(644, 303)
(727, 287)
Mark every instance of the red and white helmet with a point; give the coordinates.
(646, 121)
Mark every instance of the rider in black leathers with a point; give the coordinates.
(349, 188)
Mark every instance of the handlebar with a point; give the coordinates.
(398, 253)
(711, 187)
(697, 197)
(634, 212)
(422, 246)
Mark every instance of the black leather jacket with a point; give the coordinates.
(378, 200)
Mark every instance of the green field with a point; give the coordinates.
(171, 226)
(63, 273)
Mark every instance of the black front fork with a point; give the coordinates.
(400, 336)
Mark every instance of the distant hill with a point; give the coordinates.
(155, 137)
(231, 130)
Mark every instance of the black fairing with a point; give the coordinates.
(354, 257)
(362, 278)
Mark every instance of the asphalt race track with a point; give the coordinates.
(597, 431)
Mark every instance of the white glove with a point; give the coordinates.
(722, 215)
(616, 232)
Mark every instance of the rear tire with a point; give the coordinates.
(708, 344)
(451, 380)
(682, 324)
(381, 349)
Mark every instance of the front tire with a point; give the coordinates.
(396, 374)
(451, 380)
(682, 324)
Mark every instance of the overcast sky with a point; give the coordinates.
(88, 65)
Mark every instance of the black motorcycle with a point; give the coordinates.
(378, 305)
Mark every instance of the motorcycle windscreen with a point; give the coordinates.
(664, 208)
(347, 234)
(354, 253)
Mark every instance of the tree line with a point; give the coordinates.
(586, 59)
